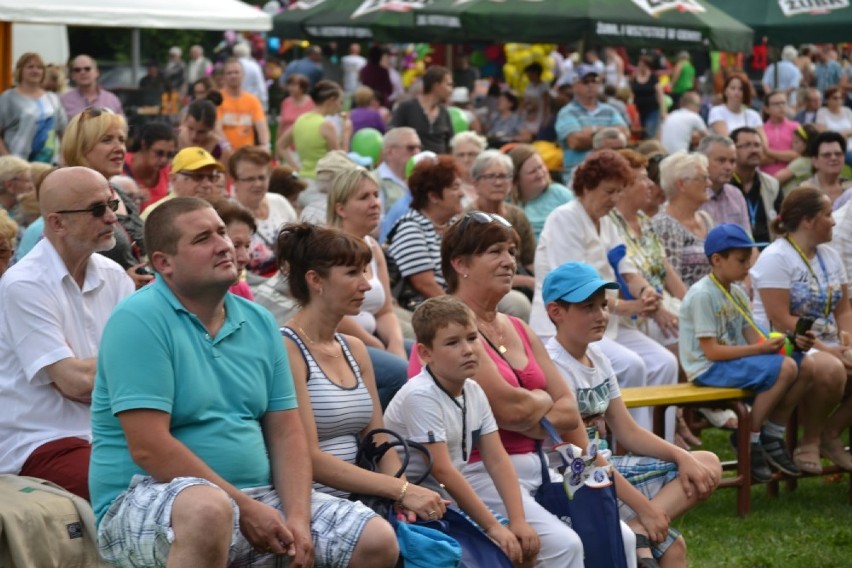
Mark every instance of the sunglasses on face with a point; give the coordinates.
(81, 69)
(495, 177)
(199, 177)
(98, 210)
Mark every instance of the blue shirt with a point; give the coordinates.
(574, 117)
(539, 208)
(156, 355)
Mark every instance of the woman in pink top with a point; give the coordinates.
(779, 132)
(296, 104)
(521, 382)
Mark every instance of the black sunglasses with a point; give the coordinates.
(98, 210)
(482, 218)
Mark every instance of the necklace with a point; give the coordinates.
(317, 345)
(501, 347)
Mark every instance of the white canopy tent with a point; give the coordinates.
(156, 14)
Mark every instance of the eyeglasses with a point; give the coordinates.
(705, 178)
(253, 179)
(747, 145)
(482, 218)
(830, 154)
(495, 177)
(81, 69)
(163, 154)
(98, 210)
(593, 81)
(199, 177)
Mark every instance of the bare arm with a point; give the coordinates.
(387, 324)
(674, 284)
(329, 132)
(263, 136)
(425, 283)
(714, 351)
(74, 377)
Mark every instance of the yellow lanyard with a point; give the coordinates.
(744, 311)
(828, 298)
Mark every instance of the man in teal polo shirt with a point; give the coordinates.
(199, 455)
(579, 121)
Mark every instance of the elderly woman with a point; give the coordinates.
(249, 169)
(31, 119)
(582, 230)
(96, 139)
(15, 180)
(465, 147)
(534, 191)
(518, 377)
(354, 207)
(414, 243)
(800, 276)
(682, 227)
(149, 162)
(734, 112)
(492, 172)
(834, 116)
(506, 124)
(827, 151)
(335, 388)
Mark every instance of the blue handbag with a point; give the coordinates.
(592, 512)
(456, 542)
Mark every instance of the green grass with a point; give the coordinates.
(808, 528)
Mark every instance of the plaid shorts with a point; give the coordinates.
(136, 529)
(648, 475)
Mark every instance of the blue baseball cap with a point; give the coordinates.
(728, 236)
(573, 282)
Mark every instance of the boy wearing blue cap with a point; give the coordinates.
(576, 302)
(722, 346)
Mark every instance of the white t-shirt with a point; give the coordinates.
(45, 318)
(351, 65)
(746, 117)
(841, 239)
(421, 411)
(593, 386)
(570, 235)
(836, 122)
(780, 266)
(678, 127)
(280, 212)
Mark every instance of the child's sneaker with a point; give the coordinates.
(777, 456)
(760, 472)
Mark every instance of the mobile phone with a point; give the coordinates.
(804, 325)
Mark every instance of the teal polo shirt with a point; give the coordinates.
(156, 355)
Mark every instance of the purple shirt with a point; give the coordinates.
(366, 118)
(74, 102)
(728, 206)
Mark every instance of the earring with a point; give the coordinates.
(464, 275)
(320, 290)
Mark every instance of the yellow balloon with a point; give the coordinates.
(547, 76)
(664, 80)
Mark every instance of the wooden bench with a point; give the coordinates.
(688, 395)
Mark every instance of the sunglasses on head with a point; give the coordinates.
(482, 218)
(98, 210)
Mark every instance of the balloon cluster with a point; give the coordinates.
(415, 59)
(519, 56)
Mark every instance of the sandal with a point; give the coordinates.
(835, 451)
(684, 433)
(645, 562)
(726, 419)
(806, 458)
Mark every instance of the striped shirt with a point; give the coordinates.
(340, 413)
(416, 246)
(573, 118)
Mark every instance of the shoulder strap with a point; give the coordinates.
(291, 334)
(497, 351)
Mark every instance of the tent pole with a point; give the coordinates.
(5, 55)
(135, 55)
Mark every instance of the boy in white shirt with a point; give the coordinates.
(449, 413)
(576, 303)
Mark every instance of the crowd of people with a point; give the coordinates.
(199, 324)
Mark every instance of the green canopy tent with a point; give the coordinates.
(639, 23)
(793, 21)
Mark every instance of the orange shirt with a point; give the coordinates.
(237, 116)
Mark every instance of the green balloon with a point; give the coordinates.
(409, 167)
(458, 119)
(368, 142)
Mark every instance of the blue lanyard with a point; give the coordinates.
(752, 210)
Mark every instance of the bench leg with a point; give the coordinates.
(743, 457)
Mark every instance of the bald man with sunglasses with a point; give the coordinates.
(54, 304)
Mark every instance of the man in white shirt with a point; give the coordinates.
(352, 65)
(684, 127)
(53, 307)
